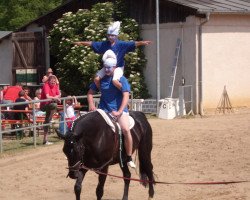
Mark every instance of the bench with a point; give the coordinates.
(24, 122)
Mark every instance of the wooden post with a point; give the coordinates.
(224, 103)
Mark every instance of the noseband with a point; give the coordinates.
(75, 167)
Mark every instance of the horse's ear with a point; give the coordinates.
(60, 135)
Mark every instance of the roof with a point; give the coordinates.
(217, 6)
(4, 34)
(200, 7)
(61, 9)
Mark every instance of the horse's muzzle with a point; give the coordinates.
(73, 174)
(74, 170)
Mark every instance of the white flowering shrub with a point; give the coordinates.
(77, 65)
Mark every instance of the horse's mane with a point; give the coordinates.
(79, 119)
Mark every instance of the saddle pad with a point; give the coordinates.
(109, 122)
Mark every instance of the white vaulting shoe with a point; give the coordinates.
(131, 164)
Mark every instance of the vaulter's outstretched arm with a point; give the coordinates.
(142, 43)
(83, 43)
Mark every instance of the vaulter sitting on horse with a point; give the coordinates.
(114, 101)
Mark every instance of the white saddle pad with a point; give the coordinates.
(109, 122)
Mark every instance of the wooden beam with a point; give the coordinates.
(20, 52)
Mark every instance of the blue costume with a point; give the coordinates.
(111, 97)
(120, 48)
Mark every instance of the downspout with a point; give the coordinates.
(46, 46)
(201, 111)
(158, 83)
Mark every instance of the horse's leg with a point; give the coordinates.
(78, 184)
(126, 174)
(101, 182)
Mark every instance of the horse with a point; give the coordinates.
(92, 144)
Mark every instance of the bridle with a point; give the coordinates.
(75, 167)
(80, 164)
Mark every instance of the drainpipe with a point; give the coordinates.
(47, 54)
(201, 111)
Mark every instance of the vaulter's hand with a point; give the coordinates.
(116, 114)
(92, 108)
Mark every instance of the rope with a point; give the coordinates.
(166, 183)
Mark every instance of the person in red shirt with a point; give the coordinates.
(10, 93)
(50, 90)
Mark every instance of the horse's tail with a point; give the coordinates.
(144, 149)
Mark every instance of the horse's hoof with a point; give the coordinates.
(150, 198)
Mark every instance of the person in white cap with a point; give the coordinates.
(114, 101)
(119, 47)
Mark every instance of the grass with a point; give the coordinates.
(14, 146)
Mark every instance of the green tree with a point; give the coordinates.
(16, 13)
(77, 65)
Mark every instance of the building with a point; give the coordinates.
(215, 48)
(215, 37)
(5, 58)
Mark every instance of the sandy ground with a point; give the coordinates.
(212, 148)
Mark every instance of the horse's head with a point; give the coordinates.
(74, 150)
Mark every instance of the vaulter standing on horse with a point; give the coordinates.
(113, 100)
(119, 47)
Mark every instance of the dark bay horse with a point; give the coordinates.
(93, 144)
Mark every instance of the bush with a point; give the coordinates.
(77, 65)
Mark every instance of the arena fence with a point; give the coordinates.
(32, 121)
(144, 105)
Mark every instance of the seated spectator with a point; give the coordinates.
(50, 90)
(10, 93)
(37, 97)
(27, 92)
(1, 99)
(46, 77)
(1, 95)
(21, 98)
(20, 115)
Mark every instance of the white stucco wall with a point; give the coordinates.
(6, 57)
(188, 60)
(226, 60)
